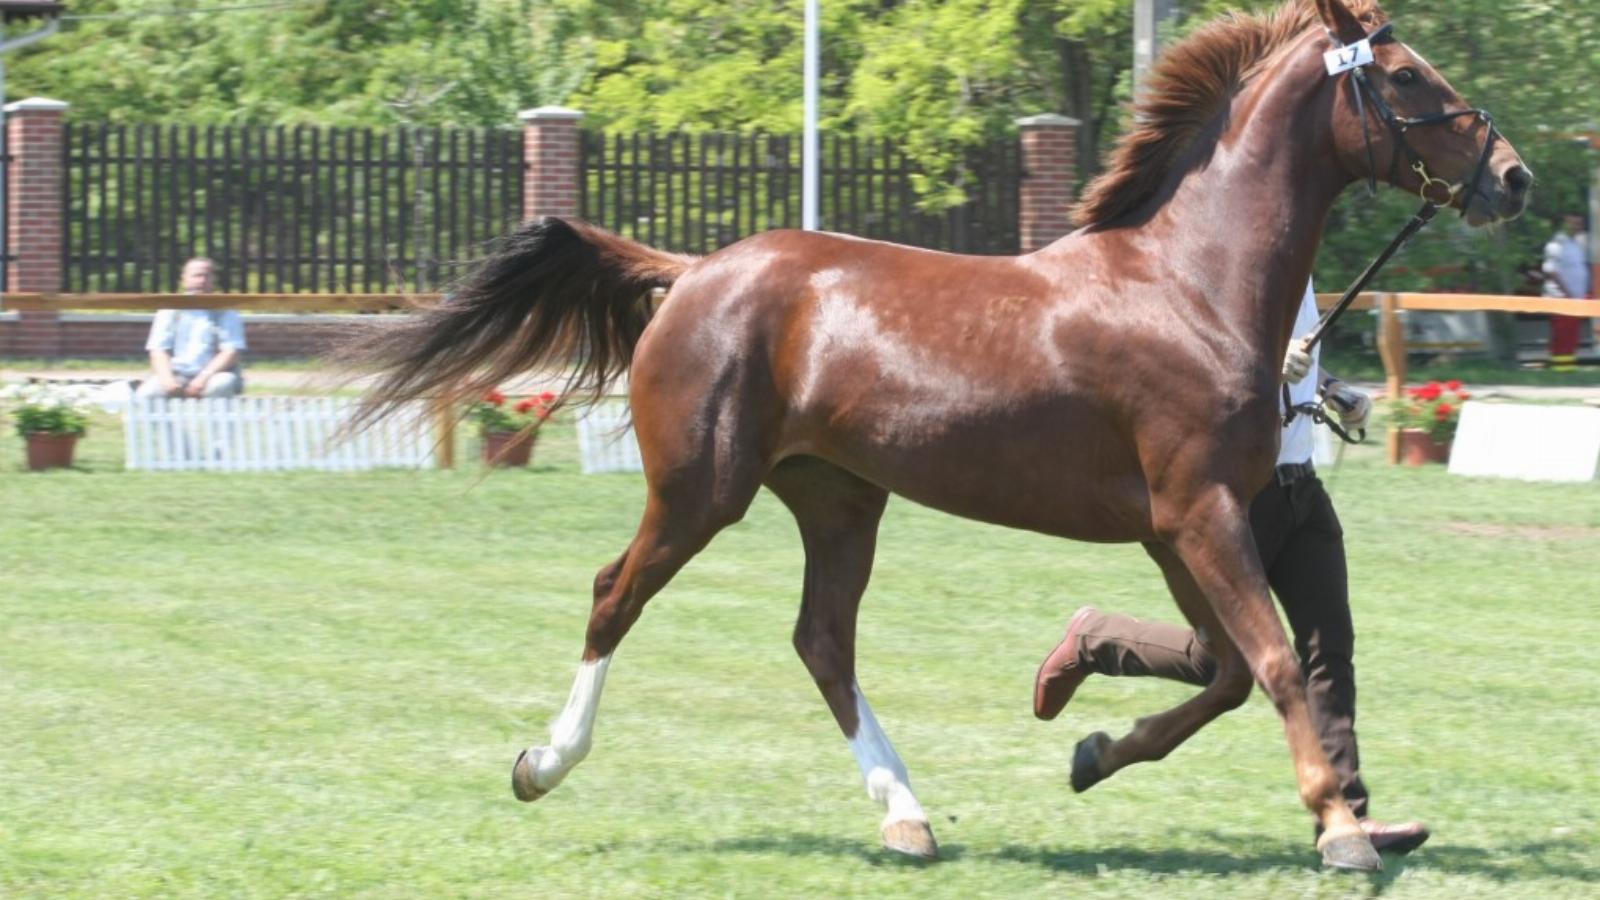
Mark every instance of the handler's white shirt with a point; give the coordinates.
(195, 336)
(1298, 439)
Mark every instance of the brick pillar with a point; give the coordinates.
(550, 152)
(1049, 178)
(34, 217)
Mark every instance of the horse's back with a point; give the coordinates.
(881, 359)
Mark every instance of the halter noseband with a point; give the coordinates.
(1398, 125)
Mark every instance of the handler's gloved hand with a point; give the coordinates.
(1352, 406)
(1296, 363)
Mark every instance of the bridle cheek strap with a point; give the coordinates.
(1398, 126)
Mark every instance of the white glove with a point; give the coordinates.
(1352, 406)
(1296, 363)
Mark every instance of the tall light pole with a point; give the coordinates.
(808, 141)
(1148, 18)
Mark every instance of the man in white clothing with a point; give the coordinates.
(1566, 274)
(195, 352)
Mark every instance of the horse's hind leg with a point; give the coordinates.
(838, 516)
(678, 522)
(1097, 757)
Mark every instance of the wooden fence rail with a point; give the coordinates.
(1391, 337)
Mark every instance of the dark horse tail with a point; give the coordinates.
(556, 294)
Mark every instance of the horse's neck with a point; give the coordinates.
(1249, 221)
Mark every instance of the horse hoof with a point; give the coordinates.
(1350, 850)
(911, 837)
(1086, 761)
(522, 778)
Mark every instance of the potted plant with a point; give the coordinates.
(1427, 417)
(50, 419)
(509, 429)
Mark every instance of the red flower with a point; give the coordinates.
(1443, 411)
(1463, 396)
(1452, 385)
(526, 406)
(547, 398)
(495, 397)
(1430, 391)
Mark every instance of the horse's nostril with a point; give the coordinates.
(1518, 179)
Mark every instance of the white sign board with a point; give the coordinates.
(1534, 443)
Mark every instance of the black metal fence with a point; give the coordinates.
(697, 192)
(332, 210)
(283, 209)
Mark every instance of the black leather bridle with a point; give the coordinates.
(1398, 126)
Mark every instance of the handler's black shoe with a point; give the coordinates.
(1400, 837)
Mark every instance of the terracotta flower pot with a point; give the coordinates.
(50, 451)
(1418, 448)
(507, 448)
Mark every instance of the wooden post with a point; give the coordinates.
(1392, 350)
(444, 417)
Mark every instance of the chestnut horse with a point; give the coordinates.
(1117, 385)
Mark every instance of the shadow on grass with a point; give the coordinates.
(1567, 858)
(1255, 857)
(1561, 859)
(798, 844)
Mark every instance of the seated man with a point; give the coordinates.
(1302, 550)
(195, 352)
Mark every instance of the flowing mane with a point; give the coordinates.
(1190, 84)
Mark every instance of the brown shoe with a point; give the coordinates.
(1402, 837)
(1060, 674)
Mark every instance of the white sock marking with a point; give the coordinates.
(573, 731)
(885, 775)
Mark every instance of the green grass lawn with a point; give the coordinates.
(275, 685)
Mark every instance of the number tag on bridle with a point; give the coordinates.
(1350, 56)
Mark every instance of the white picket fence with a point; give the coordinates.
(258, 434)
(605, 440)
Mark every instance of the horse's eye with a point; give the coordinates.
(1405, 76)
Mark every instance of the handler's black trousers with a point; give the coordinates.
(1302, 550)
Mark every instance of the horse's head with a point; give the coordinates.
(1398, 120)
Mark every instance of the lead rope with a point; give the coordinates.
(1316, 410)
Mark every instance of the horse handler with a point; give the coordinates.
(1302, 550)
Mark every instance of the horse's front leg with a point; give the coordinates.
(1210, 533)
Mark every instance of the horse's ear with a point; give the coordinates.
(1341, 21)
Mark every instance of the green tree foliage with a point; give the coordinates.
(328, 62)
(937, 75)
(942, 75)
